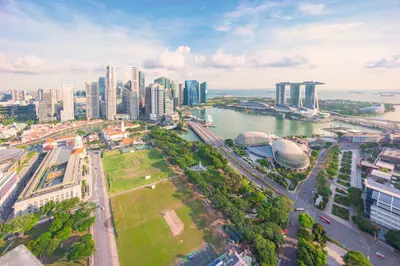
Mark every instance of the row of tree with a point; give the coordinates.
(231, 194)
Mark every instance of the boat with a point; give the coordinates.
(280, 115)
(387, 95)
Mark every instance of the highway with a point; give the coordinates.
(103, 232)
(238, 163)
(349, 237)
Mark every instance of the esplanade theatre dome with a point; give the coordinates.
(287, 154)
(253, 138)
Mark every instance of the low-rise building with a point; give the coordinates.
(58, 142)
(57, 178)
(362, 137)
(115, 133)
(374, 109)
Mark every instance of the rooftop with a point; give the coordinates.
(59, 168)
(19, 256)
(388, 152)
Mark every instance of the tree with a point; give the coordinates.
(273, 232)
(393, 237)
(24, 223)
(229, 142)
(39, 246)
(82, 249)
(319, 233)
(306, 220)
(355, 198)
(265, 251)
(355, 258)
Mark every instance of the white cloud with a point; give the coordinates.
(223, 28)
(246, 31)
(183, 49)
(312, 9)
(22, 65)
(224, 60)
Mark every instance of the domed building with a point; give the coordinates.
(253, 138)
(287, 154)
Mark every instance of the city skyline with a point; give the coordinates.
(234, 45)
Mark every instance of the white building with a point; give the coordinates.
(67, 113)
(157, 102)
(92, 100)
(111, 93)
(8, 184)
(115, 133)
(133, 105)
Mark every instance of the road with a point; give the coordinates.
(238, 163)
(103, 231)
(350, 238)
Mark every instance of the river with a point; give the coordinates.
(231, 123)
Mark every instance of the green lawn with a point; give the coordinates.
(128, 170)
(143, 236)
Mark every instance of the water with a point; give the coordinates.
(366, 96)
(231, 123)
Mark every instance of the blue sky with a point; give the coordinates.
(229, 44)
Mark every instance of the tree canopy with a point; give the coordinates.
(393, 237)
(306, 220)
(355, 258)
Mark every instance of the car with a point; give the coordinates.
(380, 255)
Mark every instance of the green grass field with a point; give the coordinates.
(128, 170)
(143, 236)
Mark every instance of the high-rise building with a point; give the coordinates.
(191, 92)
(92, 100)
(311, 100)
(295, 95)
(147, 109)
(120, 88)
(281, 93)
(175, 88)
(17, 94)
(157, 102)
(181, 90)
(67, 113)
(39, 94)
(125, 97)
(163, 81)
(168, 102)
(142, 89)
(203, 92)
(134, 95)
(110, 93)
(102, 88)
(18, 112)
(46, 108)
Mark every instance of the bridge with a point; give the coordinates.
(259, 179)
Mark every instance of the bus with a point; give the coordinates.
(324, 219)
(299, 209)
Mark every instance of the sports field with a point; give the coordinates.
(128, 170)
(160, 226)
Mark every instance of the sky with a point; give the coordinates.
(230, 44)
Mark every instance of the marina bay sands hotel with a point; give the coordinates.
(295, 94)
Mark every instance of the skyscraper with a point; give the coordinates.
(295, 95)
(181, 90)
(110, 93)
(142, 89)
(163, 81)
(203, 92)
(92, 100)
(311, 100)
(130, 99)
(281, 93)
(39, 94)
(191, 92)
(157, 102)
(102, 88)
(168, 102)
(46, 107)
(147, 109)
(67, 113)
